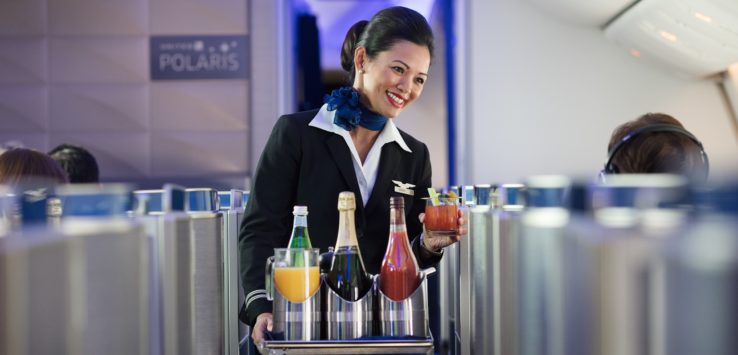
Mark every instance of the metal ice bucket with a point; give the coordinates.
(346, 320)
(408, 317)
(297, 320)
(294, 320)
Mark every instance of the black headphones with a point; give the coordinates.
(661, 127)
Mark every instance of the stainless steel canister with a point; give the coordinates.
(540, 308)
(207, 271)
(481, 310)
(169, 230)
(346, 320)
(297, 320)
(408, 317)
(487, 324)
(110, 268)
(501, 266)
(463, 283)
(35, 277)
(694, 282)
(451, 266)
(231, 205)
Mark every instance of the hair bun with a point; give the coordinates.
(349, 45)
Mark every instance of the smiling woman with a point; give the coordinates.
(394, 78)
(350, 144)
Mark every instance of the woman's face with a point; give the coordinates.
(393, 79)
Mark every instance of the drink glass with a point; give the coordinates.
(441, 220)
(294, 273)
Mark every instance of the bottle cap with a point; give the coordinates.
(346, 201)
(301, 210)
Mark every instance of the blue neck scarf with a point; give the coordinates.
(350, 112)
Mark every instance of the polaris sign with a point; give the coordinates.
(198, 57)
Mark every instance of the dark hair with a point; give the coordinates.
(659, 151)
(381, 32)
(80, 165)
(19, 163)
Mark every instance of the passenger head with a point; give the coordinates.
(656, 143)
(18, 165)
(388, 58)
(80, 165)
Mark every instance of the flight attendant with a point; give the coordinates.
(350, 144)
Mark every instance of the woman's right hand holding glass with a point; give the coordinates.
(436, 242)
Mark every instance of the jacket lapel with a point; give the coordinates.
(342, 157)
(389, 163)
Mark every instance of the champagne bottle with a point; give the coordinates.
(347, 276)
(399, 275)
(300, 238)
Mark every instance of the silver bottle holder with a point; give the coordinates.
(346, 320)
(408, 317)
(296, 320)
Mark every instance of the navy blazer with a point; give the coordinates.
(305, 165)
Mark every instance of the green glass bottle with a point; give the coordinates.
(300, 238)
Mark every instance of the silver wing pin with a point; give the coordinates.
(404, 188)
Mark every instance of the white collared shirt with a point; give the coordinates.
(366, 174)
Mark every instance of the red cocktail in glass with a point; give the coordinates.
(441, 217)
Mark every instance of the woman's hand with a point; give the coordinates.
(263, 323)
(435, 244)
